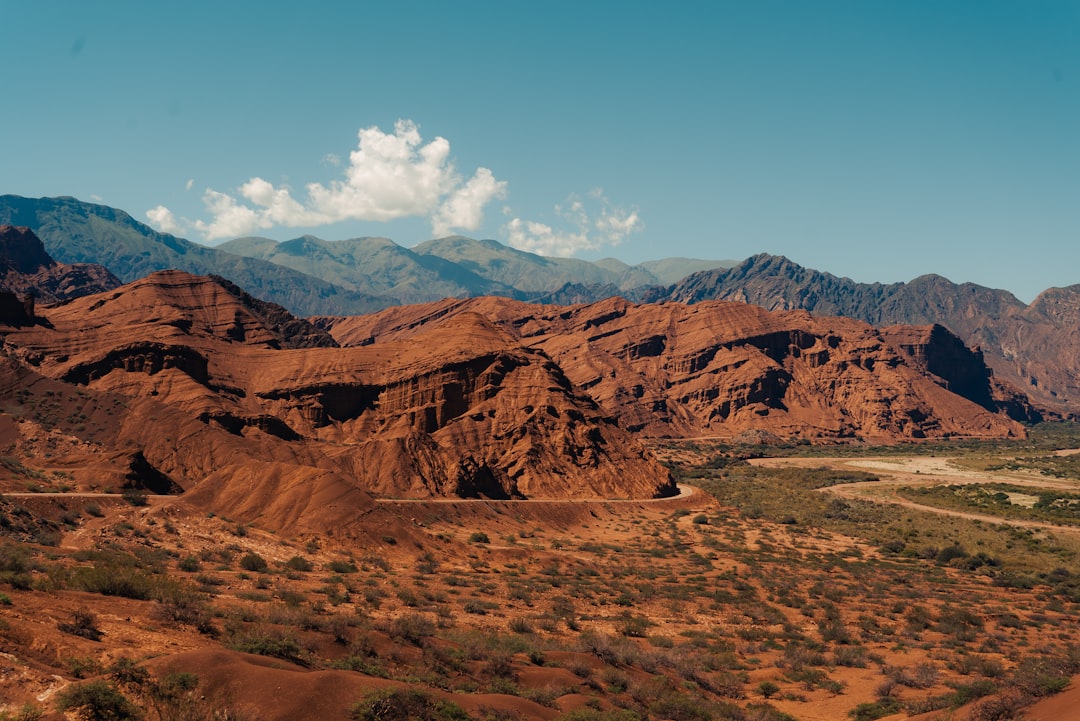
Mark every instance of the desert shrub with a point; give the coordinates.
(1042, 676)
(299, 563)
(634, 625)
(960, 623)
(411, 627)
(967, 692)
(921, 675)
(701, 520)
(918, 618)
(590, 714)
(135, 496)
(267, 642)
(253, 562)
(1004, 707)
(612, 650)
(851, 656)
(114, 579)
(520, 625)
(27, 712)
(767, 689)
(99, 701)
(15, 566)
(83, 624)
(339, 566)
(478, 607)
(479, 537)
(190, 564)
(949, 553)
(181, 604)
(872, 710)
(406, 704)
(683, 707)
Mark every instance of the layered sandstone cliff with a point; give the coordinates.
(721, 368)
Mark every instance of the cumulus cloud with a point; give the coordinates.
(163, 219)
(464, 208)
(589, 223)
(389, 176)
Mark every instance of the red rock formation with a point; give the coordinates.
(462, 409)
(26, 269)
(721, 368)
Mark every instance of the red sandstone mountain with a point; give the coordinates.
(25, 268)
(722, 368)
(257, 412)
(1034, 348)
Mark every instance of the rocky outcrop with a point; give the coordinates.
(27, 270)
(1034, 350)
(463, 409)
(726, 368)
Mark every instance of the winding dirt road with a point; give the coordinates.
(685, 491)
(898, 472)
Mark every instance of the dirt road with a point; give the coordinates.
(685, 491)
(898, 472)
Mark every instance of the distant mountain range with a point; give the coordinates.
(1035, 348)
(310, 276)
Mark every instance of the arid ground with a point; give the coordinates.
(793, 587)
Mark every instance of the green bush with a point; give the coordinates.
(299, 563)
(412, 627)
(99, 701)
(479, 537)
(27, 712)
(268, 643)
(253, 562)
(83, 624)
(341, 567)
(406, 704)
(872, 710)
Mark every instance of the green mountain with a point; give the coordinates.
(311, 276)
(531, 273)
(78, 232)
(376, 266)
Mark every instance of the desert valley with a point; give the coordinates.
(348, 480)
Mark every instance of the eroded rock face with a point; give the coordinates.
(1034, 350)
(462, 409)
(721, 368)
(26, 269)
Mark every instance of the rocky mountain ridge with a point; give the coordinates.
(724, 368)
(261, 413)
(310, 276)
(26, 269)
(1035, 348)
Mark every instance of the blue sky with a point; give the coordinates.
(877, 140)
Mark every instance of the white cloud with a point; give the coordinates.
(464, 209)
(190, 182)
(389, 176)
(163, 219)
(591, 227)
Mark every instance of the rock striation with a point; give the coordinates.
(1033, 350)
(722, 368)
(263, 416)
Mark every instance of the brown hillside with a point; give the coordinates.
(25, 268)
(281, 433)
(721, 368)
